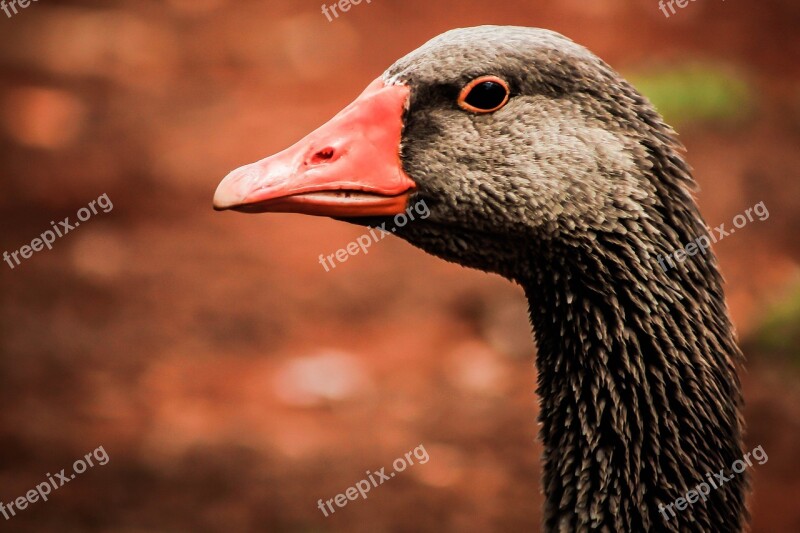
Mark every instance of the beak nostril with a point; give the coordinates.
(323, 156)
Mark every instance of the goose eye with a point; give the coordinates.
(484, 95)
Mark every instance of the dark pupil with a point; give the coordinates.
(486, 95)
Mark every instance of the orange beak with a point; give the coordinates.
(349, 167)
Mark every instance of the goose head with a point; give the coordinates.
(505, 133)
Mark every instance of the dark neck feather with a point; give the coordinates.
(639, 393)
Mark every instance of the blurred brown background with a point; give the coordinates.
(231, 380)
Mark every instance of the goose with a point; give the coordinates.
(538, 162)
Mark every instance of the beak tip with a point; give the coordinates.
(219, 204)
(224, 197)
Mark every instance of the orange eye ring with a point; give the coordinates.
(488, 100)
